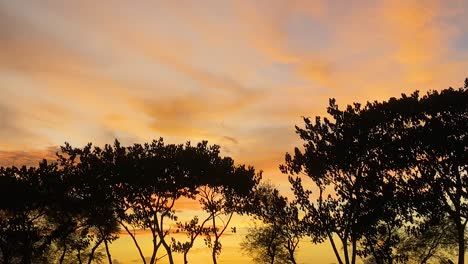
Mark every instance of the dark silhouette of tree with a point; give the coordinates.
(428, 146)
(43, 218)
(152, 185)
(422, 245)
(223, 195)
(73, 207)
(228, 194)
(278, 239)
(438, 242)
(138, 187)
(220, 215)
(88, 212)
(25, 235)
(266, 244)
(380, 167)
(353, 190)
(193, 229)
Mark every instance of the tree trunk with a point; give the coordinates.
(93, 251)
(109, 258)
(213, 256)
(354, 252)
(79, 256)
(185, 257)
(461, 243)
(345, 249)
(134, 241)
(335, 250)
(293, 260)
(62, 258)
(155, 247)
(213, 251)
(168, 250)
(291, 256)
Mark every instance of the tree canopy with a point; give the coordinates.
(77, 203)
(380, 166)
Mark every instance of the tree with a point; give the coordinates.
(87, 213)
(266, 244)
(428, 148)
(74, 206)
(151, 178)
(283, 228)
(384, 164)
(439, 241)
(418, 245)
(354, 189)
(277, 240)
(142, 183)
(228, 194)
(193, 229)
(25, 235)
(46, 215)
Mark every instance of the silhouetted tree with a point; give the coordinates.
(74, 206)
(266, 244)
(193, 229)
(278, 239)
(88, 178)
(438, 242)
(228, 194)
(353, 189)
(25, 235)
(150, 179)
(435, 242)
(428, 146)
(225, 193)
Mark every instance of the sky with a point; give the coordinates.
(237, 73)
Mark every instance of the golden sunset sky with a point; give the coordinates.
(236, 73)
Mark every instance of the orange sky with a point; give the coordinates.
(237, 73)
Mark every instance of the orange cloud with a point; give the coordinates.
(229, 72)
(27, 157)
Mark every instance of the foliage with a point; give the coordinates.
(354, 194)
(25, 235)
(282, 224)
(379, 167)
(438, 242)
(428, 148)
(266, 244)
(192, 229)
(221, 201)
(74, 206)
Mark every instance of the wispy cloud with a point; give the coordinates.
(27, 157)
(238, 73)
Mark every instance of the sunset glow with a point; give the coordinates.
(240, 74)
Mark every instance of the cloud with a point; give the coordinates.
(319, 71)
(27, 157)
(16, 130)
(238, 73)
(231, 139)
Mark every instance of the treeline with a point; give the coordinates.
(384, 182)
(63, 212)
(390, 178)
